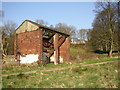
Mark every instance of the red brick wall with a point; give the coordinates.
(31, 43)
(68, 49)
(65, 50)
(28, 42)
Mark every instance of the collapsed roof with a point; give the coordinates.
(28, 25)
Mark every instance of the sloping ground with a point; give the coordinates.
(15, 68)
(57, 69)
(80, 52)
(92, 76)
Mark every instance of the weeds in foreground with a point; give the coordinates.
(98, 76)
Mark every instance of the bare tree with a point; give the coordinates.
(62, 27)
(1, 15)
(8, 38)
(89, 34)
(83, 34)
(106, 24)
(119, 26)
(9, 27)
(42, 22)
(51, 26)
(1, 44)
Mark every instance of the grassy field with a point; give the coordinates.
(97, 76)
(35, 67)
(82, 52)
(99, 60)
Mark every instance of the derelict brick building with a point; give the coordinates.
(35, 42)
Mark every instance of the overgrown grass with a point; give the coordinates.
(35, 67)
(98, 76)
(80, 52)
(99, 60)
(74, 51)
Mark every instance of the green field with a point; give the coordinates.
(77, 74)
(97, 76)
(35, 67)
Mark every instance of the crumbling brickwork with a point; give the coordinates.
(64, 50)
(28, 42)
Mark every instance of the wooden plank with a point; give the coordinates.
(56, 52)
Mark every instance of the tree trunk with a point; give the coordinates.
(110, 53)
(111, 44)
(3, 51)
